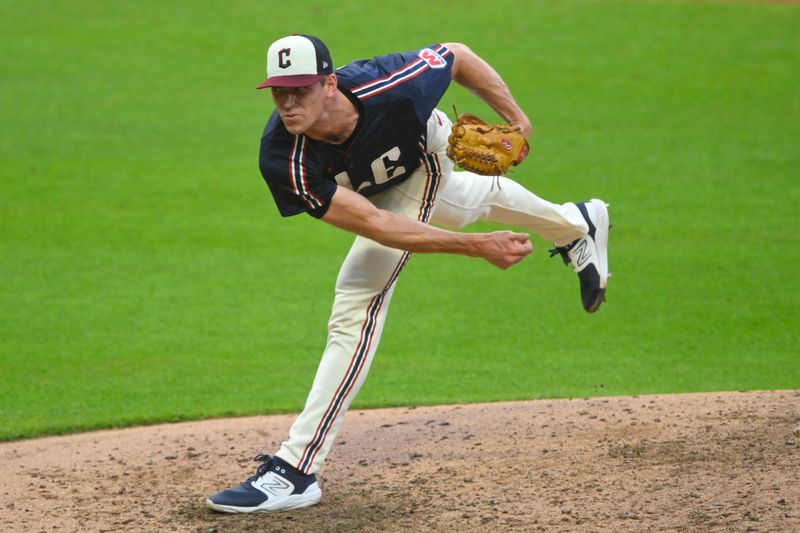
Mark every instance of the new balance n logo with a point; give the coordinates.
(275, 485)
(581, 253)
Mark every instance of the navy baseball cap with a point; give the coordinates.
(297, 61)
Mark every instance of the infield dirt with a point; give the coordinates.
(691, 462)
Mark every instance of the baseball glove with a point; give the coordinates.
(487, 149)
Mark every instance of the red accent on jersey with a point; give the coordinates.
(297, 173)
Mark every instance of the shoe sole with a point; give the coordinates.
(295, 501)
(601, 243)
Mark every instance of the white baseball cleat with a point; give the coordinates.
(588, 255)
(276, 486)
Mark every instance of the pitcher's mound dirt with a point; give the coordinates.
(692, 462)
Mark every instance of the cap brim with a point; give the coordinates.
(303, 80)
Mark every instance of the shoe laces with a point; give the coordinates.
(563, 251)
(266, 463)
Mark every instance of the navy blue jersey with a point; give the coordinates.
(394, 94)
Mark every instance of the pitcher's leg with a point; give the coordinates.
(363, 290)
(467, 197)
(579, 231)
(354, 330)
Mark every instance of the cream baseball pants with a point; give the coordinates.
(433, 194)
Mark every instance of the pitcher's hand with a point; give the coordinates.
(505, 248)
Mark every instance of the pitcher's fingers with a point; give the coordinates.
(524, 240)
(521, 237)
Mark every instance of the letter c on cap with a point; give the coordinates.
(283, 54)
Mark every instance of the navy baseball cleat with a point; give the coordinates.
(588, 255)
(276, 486)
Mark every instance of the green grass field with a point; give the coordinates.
(146, 275)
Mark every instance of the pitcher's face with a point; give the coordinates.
(299, 107)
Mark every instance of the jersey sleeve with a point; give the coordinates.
(294, 176)
(421, 75)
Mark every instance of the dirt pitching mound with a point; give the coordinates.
(692, 462)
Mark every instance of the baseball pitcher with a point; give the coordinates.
(364, 148)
